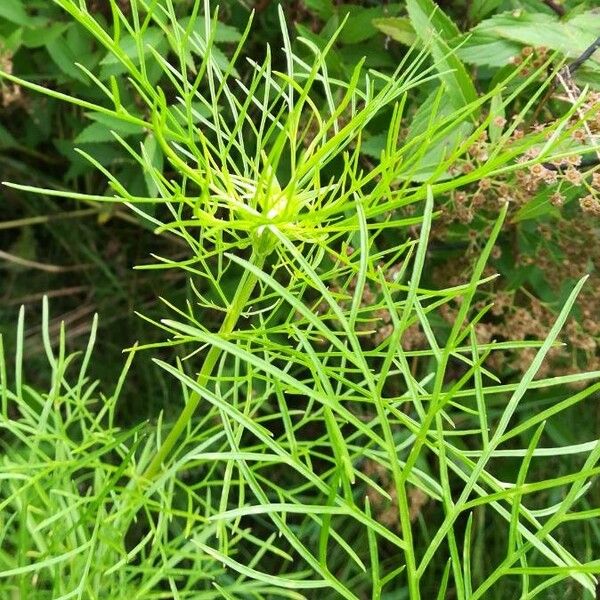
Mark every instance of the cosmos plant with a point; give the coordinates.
(310, 444)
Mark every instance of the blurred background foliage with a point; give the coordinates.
(81, 255)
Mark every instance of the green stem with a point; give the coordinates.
(239, 302)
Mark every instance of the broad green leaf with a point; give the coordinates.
(537, 207)
(104, 152)
(359, 25)
(94, 133)
(334, 58)
(153, 36)
(223, 33)
(13, 42)
(33, 39)
(220, 59)
(587, 76)
(478, 9)
(100, 130)
(439, 150)
(226, 34)
(14, 11)
(116, 124)
(430, 12)
(398, 28)
(372, 51)
(489, 51)
(154, 153)
(7, 140)
(71, 47)
(436, 29)
(323, 8)
(570, 37)
(373, 145)
(64, 58)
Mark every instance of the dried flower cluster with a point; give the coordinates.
(12, 93)
(562, 246)
(529, 59)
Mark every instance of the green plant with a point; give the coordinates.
(310, 437)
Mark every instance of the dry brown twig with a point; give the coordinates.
(565, 77)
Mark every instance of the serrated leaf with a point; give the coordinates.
(323, 8)
(437, 152)
(33, 39)
(223, 34)
(397, 28)
(94, 133)
(153, 36)
(372, 51)
(537, 207)
(64, 58)
(435, 16)
(221, 59)
(155, 155)
(359, 25)
(479, 9)
(6, 138)
(570, 37)
(217, 54)
(483, 50)
(373, 145)
(103, 152)
(14, 11)
(436, 29)
(118, 125)
(14, 41)
(227, 34)
(100, 131)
